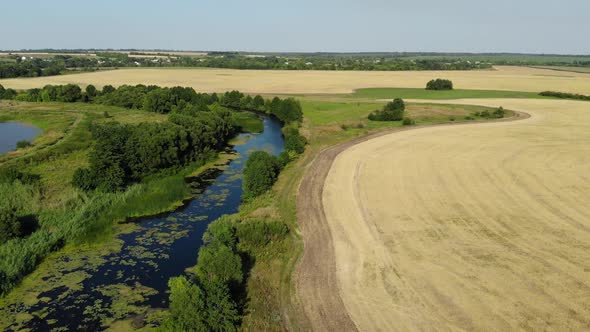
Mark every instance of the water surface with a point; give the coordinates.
(13, 132)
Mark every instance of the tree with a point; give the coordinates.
(159, 101)
(187, 306)
(222, 314)
(90, 92)
(258, 103)
(69, 93)
(392, 111)
(219, 262)
(205, 306)
(260, 173)
(293, 140)
(107, 89)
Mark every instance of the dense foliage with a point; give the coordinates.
(124, 154)
(213, 300)
(180, 100)
(439, 84)
(564, 95)
(30, 68)
(392, 111)
(260, 173)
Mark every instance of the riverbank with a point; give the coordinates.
(68, 279)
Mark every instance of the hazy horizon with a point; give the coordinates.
(531, 27)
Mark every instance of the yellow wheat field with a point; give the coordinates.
(474, 227)
(293, 82)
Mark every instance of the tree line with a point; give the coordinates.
(564, 95)
(159, 99)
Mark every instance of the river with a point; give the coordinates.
(159, 248)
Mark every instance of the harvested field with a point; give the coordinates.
(300, 82)
(476, 227)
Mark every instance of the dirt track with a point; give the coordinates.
(478, 227)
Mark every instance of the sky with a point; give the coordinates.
(525, 26)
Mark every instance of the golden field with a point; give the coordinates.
(471, 227)
(325, 82)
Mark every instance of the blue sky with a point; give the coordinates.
(539, 26)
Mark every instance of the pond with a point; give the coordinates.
(12, 132)
(159, 248)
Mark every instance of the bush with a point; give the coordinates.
(23, 144)
(439, 84)
(392, 111)
(260, 173)
(259, 233)
(10, 227)
(11, 174)
(83, 179)
(408, 122)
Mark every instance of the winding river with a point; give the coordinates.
(159, 248)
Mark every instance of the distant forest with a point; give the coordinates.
(34, 63)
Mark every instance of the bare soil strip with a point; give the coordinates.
(317, 280)
(482, 227)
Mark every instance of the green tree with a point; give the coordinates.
(108, 89)
(159, 101)
(260, 173)
(187, 307)
(91, 92)
(69, 93)
(222, 314)
(219, 262)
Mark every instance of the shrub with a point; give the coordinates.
(439, 84)
(408, 122)
(259, 233)
(499, 113)
(83, 179)
(10, 227)
(23, 144)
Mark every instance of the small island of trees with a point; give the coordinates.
(439, 84)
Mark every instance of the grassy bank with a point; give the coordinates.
(411, 93)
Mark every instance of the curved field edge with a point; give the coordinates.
(317, 286)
